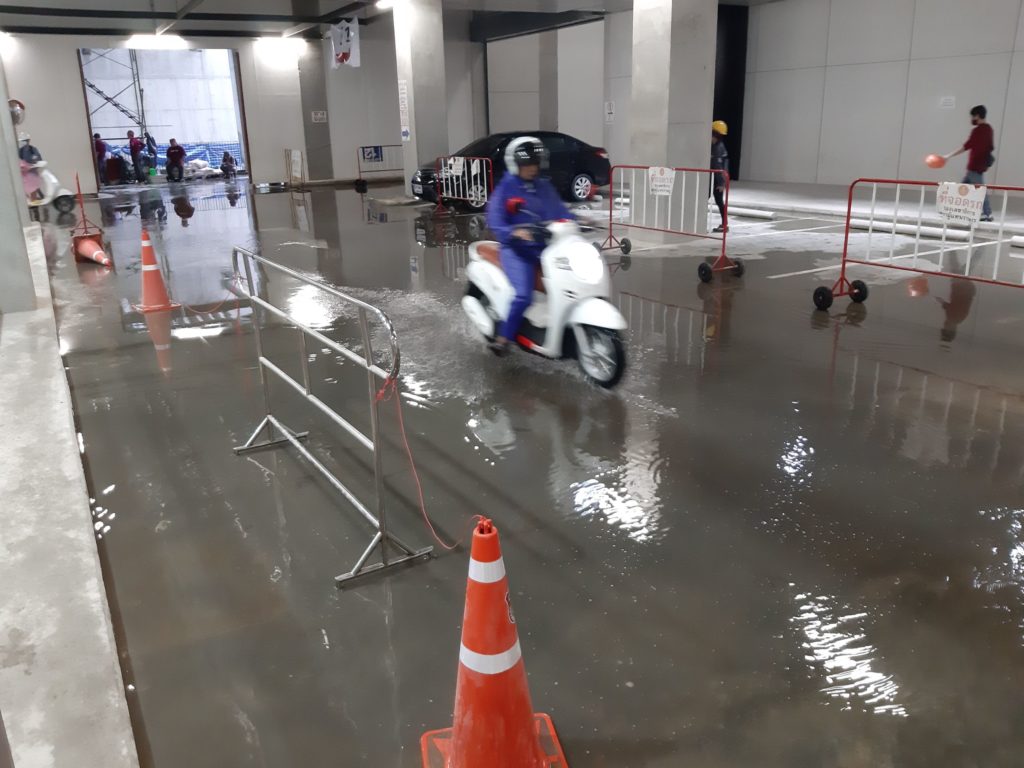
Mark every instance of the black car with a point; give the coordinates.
(576, 168)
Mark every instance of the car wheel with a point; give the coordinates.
(582, 187)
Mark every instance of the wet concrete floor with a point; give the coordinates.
(787, 539)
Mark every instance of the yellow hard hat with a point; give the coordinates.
(720, 128)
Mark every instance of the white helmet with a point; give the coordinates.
(24, 138)
(526, 150)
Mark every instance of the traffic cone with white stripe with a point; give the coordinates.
(154, 293)
(159, 326)
(494, 725)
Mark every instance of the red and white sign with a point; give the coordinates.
(961, 203)
(661, 180)
(345, 40)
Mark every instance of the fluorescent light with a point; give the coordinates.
(385, 5)
(7, 44)
(280, 52)
(157, 42)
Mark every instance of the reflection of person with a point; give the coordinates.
(980, 144)
(99, 149)
(233, 196)
(961, 298)
(228, 166)
(520, 252)
(719, 162)
(150, 147)
(175, 161)
(183, 207)
(135, 147)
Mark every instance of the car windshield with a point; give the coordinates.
(481, 147)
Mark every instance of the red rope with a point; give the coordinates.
(386, 392)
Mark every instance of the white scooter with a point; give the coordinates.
(50, 190)
(572, 293)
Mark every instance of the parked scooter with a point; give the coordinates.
(41, 187)
(571, 295)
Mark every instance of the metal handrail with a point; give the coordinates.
(287, 436)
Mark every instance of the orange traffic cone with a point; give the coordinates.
(494, 726)
(159, 326)
(154, 293)
(90, 248)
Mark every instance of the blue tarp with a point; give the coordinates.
(211, 152)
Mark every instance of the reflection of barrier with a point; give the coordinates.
(294, 168)
(365, 360)
(379, 159)
(467, 181)
(669, 201)
(967, 252)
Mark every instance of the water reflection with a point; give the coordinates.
(836, 645)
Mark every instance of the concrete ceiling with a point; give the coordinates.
(260, 17)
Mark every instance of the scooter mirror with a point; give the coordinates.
(514, 205)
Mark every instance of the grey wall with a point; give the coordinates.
(838, 89)
(513, 83)
(17, 292)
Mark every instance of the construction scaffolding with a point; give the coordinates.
(120, 67)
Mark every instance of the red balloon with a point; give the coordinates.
(935, 161)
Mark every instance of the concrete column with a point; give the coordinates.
(17, 292)
(674, 44)
(313, 72)
(423, 101)
(547, 88)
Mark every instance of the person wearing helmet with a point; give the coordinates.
(27, 152)
(538, 202)
(719, 162)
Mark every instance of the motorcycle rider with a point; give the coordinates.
(520, 250)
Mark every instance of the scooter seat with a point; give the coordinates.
(491, 252)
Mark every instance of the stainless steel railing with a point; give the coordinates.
(273, 426)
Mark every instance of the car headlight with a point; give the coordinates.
(586, 263)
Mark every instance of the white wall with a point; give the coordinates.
(581, 82)
(618, 83)
(363, 103)
(514, 88)
(513, 83)
(839, 89)
(43, 71)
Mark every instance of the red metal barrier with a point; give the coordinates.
(468, 181)
(649, 198)
(971, 239)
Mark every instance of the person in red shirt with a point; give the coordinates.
(136, 147)
(175, 161)
(99, 147)
(980, 144)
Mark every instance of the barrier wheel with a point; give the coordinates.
(739, 269)
(361, 186)
(704, 272)
(858, 291)
(822, 297)
(625, 246)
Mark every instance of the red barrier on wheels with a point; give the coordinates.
(942, 236)
(665, 200)
(463, 180)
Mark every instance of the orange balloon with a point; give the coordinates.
(935, 161)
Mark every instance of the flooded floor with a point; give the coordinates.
(787, 539)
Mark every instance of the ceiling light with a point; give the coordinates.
(157, 42)
(385, 5)
(7, 44)
(280, 52)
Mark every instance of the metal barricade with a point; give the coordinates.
(468, 181)
(669, 201)
(373, 443)
(937, 236)
(379, 159)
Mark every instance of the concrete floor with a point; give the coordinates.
(787, 539)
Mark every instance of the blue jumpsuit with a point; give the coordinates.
(520, 258)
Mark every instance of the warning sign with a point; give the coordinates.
(962, 203)
(661, 181)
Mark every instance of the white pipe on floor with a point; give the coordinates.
(1017, 241)
(912, 230)
(747, 213)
